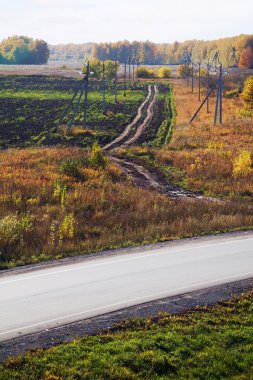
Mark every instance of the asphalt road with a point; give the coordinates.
(48, 297)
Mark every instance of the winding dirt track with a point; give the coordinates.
(143, 176)
(149, 178)
(141, 128)
(132, 125)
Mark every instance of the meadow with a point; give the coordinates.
(57, 202)
(206, 343)
(213, 160)
(62, 201)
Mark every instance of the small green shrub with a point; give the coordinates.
(98, 159)
(12, 229)
(71, 167)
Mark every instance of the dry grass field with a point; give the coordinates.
(57, 202)
(62, 201)
(216, 160)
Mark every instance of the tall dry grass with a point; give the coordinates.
(57, 215)
(207, 154)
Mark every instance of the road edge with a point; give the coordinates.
(133, 249)
(104, 323)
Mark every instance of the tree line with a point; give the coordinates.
(71, 52)
(19, 50)
(152, 53)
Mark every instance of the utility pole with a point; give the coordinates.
(76, 108)
(129, 70)
(221, 89)
(103, 87)
(82, 89)
(207, 84)
(218, 106)
(125, 72)
(138, 65)
(192, 78)
(116, 82)
(86, 85)
(199, 83)
(233, 58)
(133, 61)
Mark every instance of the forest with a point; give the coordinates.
(20, 50)
(152, 53)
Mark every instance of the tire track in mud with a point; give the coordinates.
(130, 127)
(141, 175)
(141, 128)
(152, 180)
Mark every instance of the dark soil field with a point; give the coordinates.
(31, 108)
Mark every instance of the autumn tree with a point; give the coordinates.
(246, 59)
(24, 50)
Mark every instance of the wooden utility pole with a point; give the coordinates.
(86, 86)
(218, 107)
(103, 87)
(199, 83)
(192, 78)
(129, 70)
(207, 84)
(116, 82)
(125, 74)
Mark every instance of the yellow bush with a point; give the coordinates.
(242, 164)
(164, 72)
(247, 97)
(145, 72)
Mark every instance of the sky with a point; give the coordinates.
(79, 21)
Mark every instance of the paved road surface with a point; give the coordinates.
(45, 298)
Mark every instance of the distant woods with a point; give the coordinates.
(24, 50)
(20, 50)
(151, 53)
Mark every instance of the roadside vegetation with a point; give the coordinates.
(206, 343)
(58, 202)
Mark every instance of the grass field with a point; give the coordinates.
(57, 202)
(205, 344)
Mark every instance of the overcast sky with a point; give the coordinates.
(64, 21)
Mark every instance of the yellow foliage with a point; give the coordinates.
(164, 72)
(242, 164)
(67, 228)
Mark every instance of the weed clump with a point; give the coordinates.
(98, 158)
(12, 230)
(71, 167)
